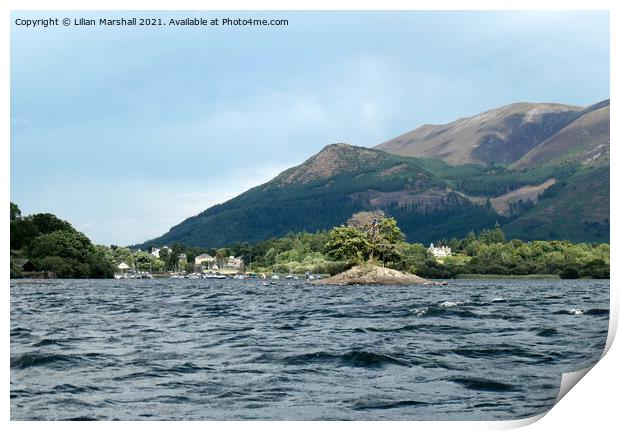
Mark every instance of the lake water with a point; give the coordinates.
(235, 349)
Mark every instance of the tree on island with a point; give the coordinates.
(367, 235)
(348, 243)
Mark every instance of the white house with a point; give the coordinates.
(204, 261)
(203, 258)
(155, 251)
(233, 263)
(442, 251)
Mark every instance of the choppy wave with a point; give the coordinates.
(47, 342)
(39, 359)
(195, 349)
(547, 332)
(496, 351)
(71, 389)
(598, 312)
(582, 311)
(478, 384)
(450, 304)
(386, 405)
(354, 358)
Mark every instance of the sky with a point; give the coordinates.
(127, 131)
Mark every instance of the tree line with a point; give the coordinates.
(368, 236)
(374, 237)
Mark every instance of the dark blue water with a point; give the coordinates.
(234, 349)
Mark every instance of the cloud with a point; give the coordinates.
(132, 131)
(122, 212)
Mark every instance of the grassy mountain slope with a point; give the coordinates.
(501, 135)
(584, 141)
(522, 134)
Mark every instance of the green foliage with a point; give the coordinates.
(67, 244)
(15, 271)
(48, 223)
(369, 235)
(294, 253)
(123, 255)
(484, 255)
(413, 258)
(54, 245)
(15, 212)
(25, 229)
(493, 236)
(163, 254)
(477, 255)
(144, 261)
(389, 231)
(63, 267)
(349, 244)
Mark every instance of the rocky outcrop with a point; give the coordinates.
(371, 274)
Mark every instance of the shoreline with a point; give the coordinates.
(466, 276)
(457, 277)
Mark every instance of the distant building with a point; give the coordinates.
(204, 261)
(24, 265)
(155, 252)
(233, 262)
(442, 251)
(203, 258)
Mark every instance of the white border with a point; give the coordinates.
(592, 405)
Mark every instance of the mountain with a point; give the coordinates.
(540, 170)
(585, 140)
(533, 132)
(323, 192)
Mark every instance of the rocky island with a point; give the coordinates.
(373, 274)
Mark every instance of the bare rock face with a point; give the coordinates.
(371, 274)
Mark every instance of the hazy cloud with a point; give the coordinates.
(127, 132)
